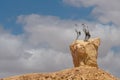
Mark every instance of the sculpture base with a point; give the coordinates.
(85, 52)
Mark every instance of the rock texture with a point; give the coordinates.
(84, 55)
(78, 73)
(85, 52)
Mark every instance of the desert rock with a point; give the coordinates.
(85, 52)
(78, 73)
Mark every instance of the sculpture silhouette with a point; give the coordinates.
(77, 31)
(86, 31)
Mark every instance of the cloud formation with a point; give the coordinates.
(44, 45)
(106, 11)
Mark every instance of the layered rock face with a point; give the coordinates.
(84, 54)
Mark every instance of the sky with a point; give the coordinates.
(35, 35)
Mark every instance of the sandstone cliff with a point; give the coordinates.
(84, 54)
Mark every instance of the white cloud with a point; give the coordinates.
(104, 10)
(48, 30)
(110, 63)
(44, 45)
(108, 58)
(41, 48)
(47, 60)
(9, 44)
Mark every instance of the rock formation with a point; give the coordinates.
(84, 55)
(85, 52)
(78, 73)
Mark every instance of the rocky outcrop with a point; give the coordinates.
(85, 52)
(84, 55)
(78, 73)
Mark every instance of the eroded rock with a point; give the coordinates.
(84, 55)
(85, 52)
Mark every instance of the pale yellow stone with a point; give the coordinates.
(77, 73)
(85, 52)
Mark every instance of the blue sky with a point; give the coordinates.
(33, 30)
(11, 9)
